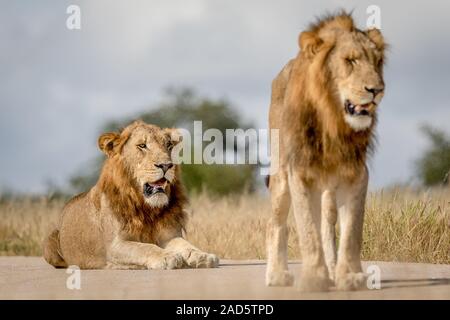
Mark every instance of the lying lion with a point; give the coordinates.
(133, 217)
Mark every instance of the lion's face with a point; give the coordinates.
(356, 68)
(353, 61)
(145, 151)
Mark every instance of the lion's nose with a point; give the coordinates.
(374, 91)
(164, 166)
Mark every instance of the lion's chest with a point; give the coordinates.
(156, 231)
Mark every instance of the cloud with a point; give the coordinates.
(57, 87)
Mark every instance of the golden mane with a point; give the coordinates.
(128, 205)
(341, 20)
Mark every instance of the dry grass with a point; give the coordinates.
(402, 225)
(25, 223)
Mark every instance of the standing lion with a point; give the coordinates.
(324, 103)
(134, 216)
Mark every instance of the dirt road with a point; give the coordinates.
(32, 278)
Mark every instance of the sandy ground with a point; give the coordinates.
(32, 278)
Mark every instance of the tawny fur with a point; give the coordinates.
(322, 164)
(113, 225)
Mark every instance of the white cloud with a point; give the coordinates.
(58, 87)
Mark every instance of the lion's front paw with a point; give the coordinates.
(279, 278)
(199, 259)
(168, 260)
(351, 281)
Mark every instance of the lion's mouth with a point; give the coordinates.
(357, 109)
(155, 187)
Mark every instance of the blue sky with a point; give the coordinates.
(57, 86)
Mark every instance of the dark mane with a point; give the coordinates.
(344, 18)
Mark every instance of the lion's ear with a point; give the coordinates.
(174, 135)
(309, 43)
(376, 37)
(107, 142)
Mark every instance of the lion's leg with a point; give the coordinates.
(192, 256)
(306, 205)
(122, 252)
(349, 274)
(277, 273)
(328, 224)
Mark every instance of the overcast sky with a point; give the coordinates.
(58, 86)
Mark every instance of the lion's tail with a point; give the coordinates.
(52, 250)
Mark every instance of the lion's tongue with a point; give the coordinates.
(160, 183)
(362, 110)
(155, 187)
(360, 107)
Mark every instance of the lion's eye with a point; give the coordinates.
(142, 146)
(169, 145)
(351, 61)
